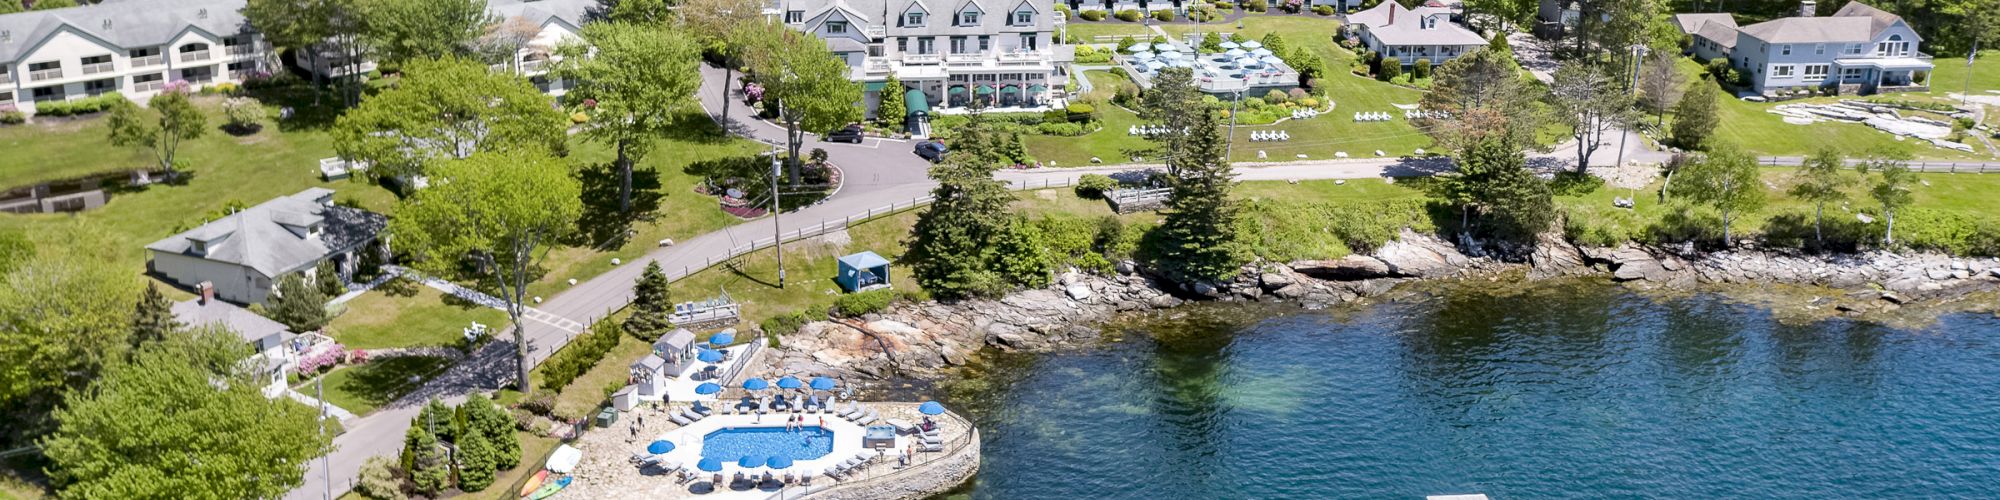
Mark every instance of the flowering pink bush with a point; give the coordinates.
(357, 356)
(589, 103)
(176, 86)
(754, 91)
(322, 359)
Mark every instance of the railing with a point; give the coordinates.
(918, 464)
(967, 56)
(535, 65)
(831, 225)
(1024, 55)
(6, 78)
(152, 60)
(237, 50)
(875, 31)
(1949, 167)
(749, 349)
(922, 58)
(877, 63)
(47, 74)
(199, 55)
(149, 86)
(92, 69)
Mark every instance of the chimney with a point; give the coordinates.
(207, 290)
(1808, 8)
(1392, 12)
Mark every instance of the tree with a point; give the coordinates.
(11, 6)
(425, 462)
(1197, 239)
(153, 318)
(301, 307)
(326, 277)
(179, 421)
(807, 84)
(315, 26)
(479, 415)
(1493, 181)
(652, 306)
(52, 4)
(502, 42)
(1212, 42)
(475, 462)
(66, 317)
(1823, 180)
(1421, 70)
(891, 112)
(1174, 103)
(1892, 189)
(633, 80)
(949, 249)
(1591, 103)
(498, 211)
(1661, 84)
(1479, 94)
(447, 109)
(406, 30)
(176, 120)
(715, 24)
(378, 479)
(1695, 117)
(1725, 179)
(647, 12)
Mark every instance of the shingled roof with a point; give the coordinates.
(274, 237)
(121, 23)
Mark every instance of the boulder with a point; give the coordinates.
(1554, 257)
(1274, 281)
(1631, 263)
(1421, 256)
(1349, 268)
(1292, 291)
(1078, 292)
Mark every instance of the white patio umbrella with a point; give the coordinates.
(1164, 47)
(1170, 55)
(1261, 52)
(1139, 48)
(1235, 53)
(1272, 60)
(1143, 56)
(1253, 44)
(1230, 45)
(1155, 64)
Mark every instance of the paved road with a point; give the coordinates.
(877, 173)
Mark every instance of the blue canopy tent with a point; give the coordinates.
(863, 271)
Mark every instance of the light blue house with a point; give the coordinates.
(1859, 49)
(863, 271)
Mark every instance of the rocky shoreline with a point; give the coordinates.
(921, 341)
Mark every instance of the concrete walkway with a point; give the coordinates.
(336, 412)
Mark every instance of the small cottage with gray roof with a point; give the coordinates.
(243, 255)
(1407, 35)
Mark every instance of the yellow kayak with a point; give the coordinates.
(534, 483)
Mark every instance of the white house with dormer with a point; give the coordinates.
(1407, 35)
(242, 255)
(134, 47)
(1860, 49)
(945, 52)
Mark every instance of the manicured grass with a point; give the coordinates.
(1319, 138)
(1110, 144)
(1949, 75)
(1968, 194)
(363, 388)
(1089, 31)
(587, 391)
(1748, 125)
(1326, 191)
(428, 317)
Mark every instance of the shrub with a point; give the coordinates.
(1324, 10)
(1088, 54)
(863, 303)
(1163, 15)
(1310, 102)
(1257, 5)
(1421, 70)
(1093, 15)
(784, 324)
(1944, 231)
(1128, 15)
(1276, 96)
(82, 106)
(1093, 186)
(12, 117)
(1082, 111)
(379, 479)
(476, 464)
(242, 115)
(1571, 183)
(1062, 129)
(1254, 103)
(1390, 70)
(580, 355)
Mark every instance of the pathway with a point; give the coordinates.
(336, 412)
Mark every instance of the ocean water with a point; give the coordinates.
(1576, 390)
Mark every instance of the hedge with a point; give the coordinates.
(1093, 15)
(1128, 15)
(784, 324)
(83, 106)
(1165, 16)
(863, 303)
(580, 355)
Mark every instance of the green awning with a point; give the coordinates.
(873, 86)
(1036, 89)
(1010, 89)
(956, 90)
(915, 103)
(985, 90)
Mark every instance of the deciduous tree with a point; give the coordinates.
(1476, 95)
(178, 421)
(447, 109)
(803, 79)
(173, 120)
(1822, 180)
(1892, 188)
(632, 79)
(1591, 103)
(1725, 179)
(500, 211)
(1661, 84)
(1695, 117)
(650, 12)
(891, 112)
(315, 26)
(66, 317)
(406, 30)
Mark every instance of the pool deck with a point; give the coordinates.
(606, 470)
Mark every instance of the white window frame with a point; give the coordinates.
(1819, 49)
(913, 19)
(1784, 70)
(968, 18)
(1785, 49)
(795, 16)
(1024, 17)
(1824, 70)
(836, 27)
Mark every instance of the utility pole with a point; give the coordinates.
(1625, 126)
(1966, 94)
(325, 461)
(1229, 147)
(777, 230)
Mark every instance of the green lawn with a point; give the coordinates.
(1967, 194)
(1088, 31)
(363, 388)
(1748, 125)
(428, 317)
(1949, 75)
(1109, 144)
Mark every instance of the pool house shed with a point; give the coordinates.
(863, 271)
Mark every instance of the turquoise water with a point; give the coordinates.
(731, 444)
(1570, 391)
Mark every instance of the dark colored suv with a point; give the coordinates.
(931, 150)
(850, 133)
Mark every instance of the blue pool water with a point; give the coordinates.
(734, 443)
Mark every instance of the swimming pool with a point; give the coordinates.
(732, 443)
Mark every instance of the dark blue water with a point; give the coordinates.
(1560, 391)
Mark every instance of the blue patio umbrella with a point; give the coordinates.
(658, 447)
(710, 465)
(790, 382)
(778, 462)
(709, 356)
(823, 383)
(707, 388)
(751, 462)
(930, 408)
(723, 338)
(756, 384)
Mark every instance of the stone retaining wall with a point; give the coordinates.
(924, 480)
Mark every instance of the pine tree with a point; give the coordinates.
(949, 249)
(301, 308)
(478, 415)
(1198, 232)
(439, 419)
(425, 462)
(1494, 182)
(327, 278)
(652, 306)
(153, 318)
(1020, 254)
(475, 462)
(1695, 116)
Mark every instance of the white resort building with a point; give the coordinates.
(1403, 34)
(945, 52)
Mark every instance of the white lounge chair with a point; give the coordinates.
(852, 408)
(930, 447)
(680, 419)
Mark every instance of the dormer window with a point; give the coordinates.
(199, 247)
(314, 230)
(913, 19)
(968, 18)
(1024, 17)
(836, 27)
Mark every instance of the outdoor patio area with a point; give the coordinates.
(1246, 67)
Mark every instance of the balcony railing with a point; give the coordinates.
(92, 69)
(6, 78)
(148, 86)
(534, 66)
(47, 74)
(152, 60)
(1024, 56)
(967, 57)
(922, 58)
(199, 55)
(877, 64)
(874, 31)
(237, 50)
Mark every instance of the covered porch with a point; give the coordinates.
(1885, 74)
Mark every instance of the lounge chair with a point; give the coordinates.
(703, 410)
(852, 409)
(680, 419)
(828, 405)
(764, 405)
(868, 419)
(931, 447)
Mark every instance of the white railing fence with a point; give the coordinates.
(1952, 167)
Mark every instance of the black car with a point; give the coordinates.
(852, 133)
(931, 150)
